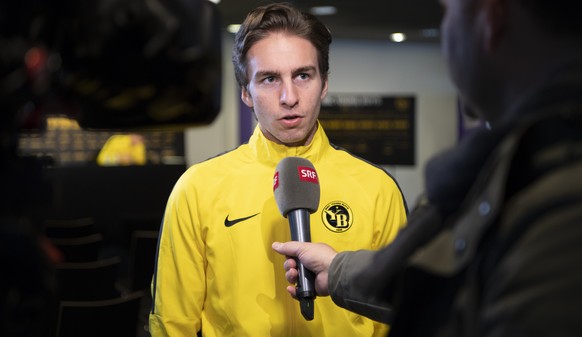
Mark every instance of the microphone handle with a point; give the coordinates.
(300, 231)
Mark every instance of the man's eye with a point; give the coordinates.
(269, 79)
(303, 76)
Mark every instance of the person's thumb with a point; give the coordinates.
(286, 248)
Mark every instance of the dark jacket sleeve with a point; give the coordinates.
(345, 293)
(365, 281)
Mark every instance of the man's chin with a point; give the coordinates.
(296, 140)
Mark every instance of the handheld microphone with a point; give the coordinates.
(296, 189)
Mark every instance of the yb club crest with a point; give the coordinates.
(337, 216)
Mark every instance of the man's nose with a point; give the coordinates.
(288, 96)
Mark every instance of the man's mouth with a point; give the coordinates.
(290, 117)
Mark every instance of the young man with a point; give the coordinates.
(496, 248)
(216, 271)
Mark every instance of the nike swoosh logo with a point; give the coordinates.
(229, 223)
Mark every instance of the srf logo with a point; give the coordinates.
(276, 180)
(307, 174)
(337, 216)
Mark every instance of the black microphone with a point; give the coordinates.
(296, 188)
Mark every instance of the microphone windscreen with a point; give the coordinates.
(296, 185)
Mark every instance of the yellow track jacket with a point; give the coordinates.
(216, 271)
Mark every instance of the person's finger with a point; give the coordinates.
(290, 263)
(292, 291)
(292, 275)
(290, 248)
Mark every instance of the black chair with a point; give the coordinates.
(80, 249)
(85, 281)
(69, 228)
(116, 317)
(142, 256)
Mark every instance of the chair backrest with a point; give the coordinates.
(69, 228)
(142, 255)
(80, 249)
(95, 280)
(116, 317)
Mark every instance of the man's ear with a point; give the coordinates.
(324, 89)
(495, 17)
(246, 97)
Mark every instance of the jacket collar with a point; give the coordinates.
(270, 153)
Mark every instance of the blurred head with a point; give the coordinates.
(497, 50)
(461, 46)
(281, 58)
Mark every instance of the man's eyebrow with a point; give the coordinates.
(266, 73)
(305, 69)
(270, 73)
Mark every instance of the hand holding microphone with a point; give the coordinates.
(296, 189)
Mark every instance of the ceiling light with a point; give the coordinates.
(233, 28)
(215, 1)
(323, 10)
(397, 37)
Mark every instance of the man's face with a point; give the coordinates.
(285, 88)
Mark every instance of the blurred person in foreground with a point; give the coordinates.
(216, 272)
(495, 247)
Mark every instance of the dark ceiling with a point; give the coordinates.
(361, 19)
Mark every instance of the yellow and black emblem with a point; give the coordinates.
(337, 216)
